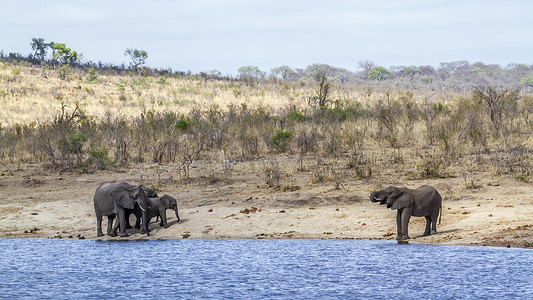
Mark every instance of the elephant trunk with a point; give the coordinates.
(373, 197)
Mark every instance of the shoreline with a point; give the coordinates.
(41, 205)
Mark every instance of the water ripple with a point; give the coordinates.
(257, 269)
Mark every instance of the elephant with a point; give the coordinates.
(113, 200)
(424, 201)
(157, 207)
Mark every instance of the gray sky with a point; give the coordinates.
(203, 35)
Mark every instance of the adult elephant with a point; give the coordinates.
(113, 200)
(157, 207)
(424, 201)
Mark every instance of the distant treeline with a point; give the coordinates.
(451, 76)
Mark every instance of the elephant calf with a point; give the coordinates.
(424, 201)
(157, 207)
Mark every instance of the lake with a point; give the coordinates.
(256, 269)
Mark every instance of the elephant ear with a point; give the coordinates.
(403, 200)
(149, 192)
(122, 198)
(165, 201)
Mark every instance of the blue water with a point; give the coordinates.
(256, 269)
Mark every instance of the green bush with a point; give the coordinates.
(91, 75)
(281, 139)
(183, 124)
(439, 108)
(296, 116)
(72, 144)
(16, 71)
(98, 158)
(162, 80)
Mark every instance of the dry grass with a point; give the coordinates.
(362, 135)
(36, 94)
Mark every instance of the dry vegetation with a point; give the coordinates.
(192, 130)
(92, 121)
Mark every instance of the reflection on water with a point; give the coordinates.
(38, 268)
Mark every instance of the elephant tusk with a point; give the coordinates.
(377, 199)
(142, 208)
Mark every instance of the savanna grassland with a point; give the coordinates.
(266, 157)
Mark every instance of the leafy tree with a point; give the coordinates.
(250, 74)
(138, 58)
(285, 72)
(39, 47)
(379, 73)
(65, 55)
(527, 81)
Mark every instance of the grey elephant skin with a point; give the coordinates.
(157, 207)
(424, 201)
(113, 200)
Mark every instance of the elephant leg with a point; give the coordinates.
(428, 224)
(163, 214)
(399, 224)
(405, 216)
(128, 225)
(99, 225)
(115, 227)
(122, 221)
(145, 223)
(110, 220)
(434, 218)
(137, 220)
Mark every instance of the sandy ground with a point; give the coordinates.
(36, 203)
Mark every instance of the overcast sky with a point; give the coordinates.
(225, 35)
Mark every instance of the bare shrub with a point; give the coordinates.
(361, 165)
(307, 141)
(433, 166)
(515, 162)
(277, 178)
(322, 172)
(388, 111)
(411, 112)
(116, 131)
(501, 104)
(468, 114)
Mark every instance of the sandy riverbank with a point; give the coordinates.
(39, 204)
